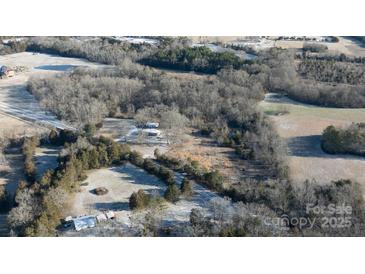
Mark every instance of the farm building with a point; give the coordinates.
(6, 71)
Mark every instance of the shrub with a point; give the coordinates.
(136, 158)
(214, 179)
(89, 130)
(349, 140)
(67, 136)
(186, 188)
(172, 193)
(28, 150)
(138, 200)
(53, 137)
(167, 175)
(314, 47)
(150, 166)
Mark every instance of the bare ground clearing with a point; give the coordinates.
(302, 127)
(121, 182)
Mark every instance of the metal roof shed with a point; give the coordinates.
(84, 222)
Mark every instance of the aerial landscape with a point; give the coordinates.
(174, 136)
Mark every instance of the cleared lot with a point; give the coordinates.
(302, 127)
(121, 182)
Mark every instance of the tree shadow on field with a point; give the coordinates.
(56, 67)
(310, 146)
(136, 175)
(116, 206)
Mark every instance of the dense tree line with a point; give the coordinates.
(212, 179)
(257, 219)
(330, 57)
(101, 50)
(282, 76)
(28, 151)
(328, 95)
(223, 105)
(274, 70)
(263, 201)
(199, 59)
(12, 47)
(331, 71)
(312, 47)
(347, 140)
(39, 203)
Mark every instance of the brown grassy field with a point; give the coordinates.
(301, 129)
(345, 46)
(214, 157)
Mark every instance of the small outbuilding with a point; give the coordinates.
(84, 222)
(152, 125)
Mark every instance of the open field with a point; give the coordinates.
(214, 157)
(14, 98)
(302, 127)
(12, 127)
(345, 46)
(121, 182)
